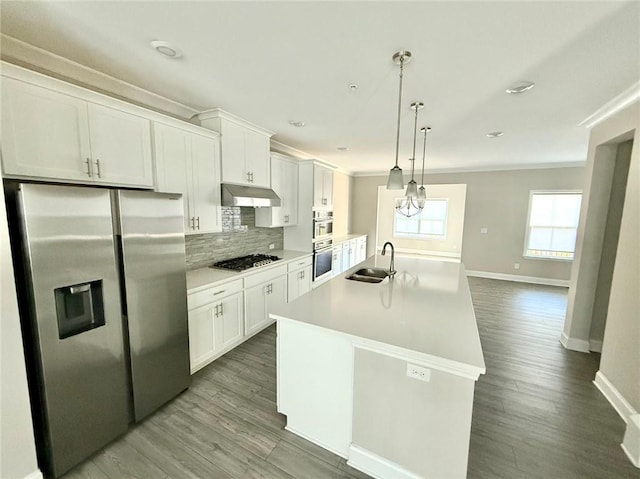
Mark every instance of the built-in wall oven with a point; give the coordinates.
(322, 260)
(322, 224)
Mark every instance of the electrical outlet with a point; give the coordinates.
(272, 246)
(483, 231)
(418, 372)
(516, 266)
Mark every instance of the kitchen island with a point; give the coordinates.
(384, 374)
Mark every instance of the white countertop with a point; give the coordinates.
(424, 313)
(202, 278)
(341, 239)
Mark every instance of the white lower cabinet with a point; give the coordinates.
(337, 261)
(263, 291)
(299, 278)
(361, 249)
(215, 322)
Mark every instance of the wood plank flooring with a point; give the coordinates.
(536, 412)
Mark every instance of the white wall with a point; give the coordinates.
(17, 445)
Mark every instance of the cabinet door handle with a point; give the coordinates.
(88, 167)
(98, 167)
(198, 222)
(193, 222)
(301, 274)
(286, 218)
(221, 309)
(215, 311)
(251, 174)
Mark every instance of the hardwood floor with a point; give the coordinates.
(536, 412)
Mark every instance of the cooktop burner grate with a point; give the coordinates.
(244, 263)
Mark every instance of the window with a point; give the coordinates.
(552, 225)
(431, 223)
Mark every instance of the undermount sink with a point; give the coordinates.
(369, 275)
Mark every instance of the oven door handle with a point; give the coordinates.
(323, 250)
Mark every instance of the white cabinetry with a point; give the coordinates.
(322, 187)
(52, 135)
(244, 148)
(284, 181)
(299, 278)
(188, 163)
(361, 249)
(263, 291)
(215, 322)
(337, 260)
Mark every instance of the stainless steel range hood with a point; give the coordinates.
(252, 196)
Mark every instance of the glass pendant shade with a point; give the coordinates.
(412, 189)
(422, 193)
(395, 181)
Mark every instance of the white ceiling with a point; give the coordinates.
(271, 62)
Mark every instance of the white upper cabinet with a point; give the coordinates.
(284, 181)
(188, 163)
(44, 133)
(322, 187)
(120, 147)
(52, 135)
(244, 148)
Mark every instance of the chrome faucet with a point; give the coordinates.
(392, 271)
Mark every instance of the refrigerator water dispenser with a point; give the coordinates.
(79, 308)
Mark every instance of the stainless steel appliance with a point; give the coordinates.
(322, 260)
(322, 224)
(102, 293)
(243, 263)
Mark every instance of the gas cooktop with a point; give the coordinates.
(244, 263)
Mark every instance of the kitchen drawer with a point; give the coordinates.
(264, 276)
(299, 263)
(213, 294)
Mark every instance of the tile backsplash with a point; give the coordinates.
(239, 237)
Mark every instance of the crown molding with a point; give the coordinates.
(34, 58)
(613, 106)
(216, 113)
(487, 169)
(279, 147)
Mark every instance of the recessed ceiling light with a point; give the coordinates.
(520, 87)
(495, 134)
(353, 86)
(296, 123)
(166, 49)
(343, 148)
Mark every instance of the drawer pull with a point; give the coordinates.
(219, 292)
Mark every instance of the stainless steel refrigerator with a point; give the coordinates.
(102, 293)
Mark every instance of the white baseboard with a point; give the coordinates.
(519, 278)
(574, 344)
(595, 346)
(617, 400)
(37, 474)
(376, 466)
(631, 443)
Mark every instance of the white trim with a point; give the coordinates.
(376, 466)
(37, 58)
(422, 252)
(613, 106)
(37, 474)
(624, 409)
(574, 344)
(631, 442)
(315, 441)
(595, 345)
(215, 113)
(519, 278)
(483, 169)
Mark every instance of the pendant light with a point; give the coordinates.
(409, 205)
(395, 181)
(422, 192)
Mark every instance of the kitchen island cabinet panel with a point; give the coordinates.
(314, 384)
